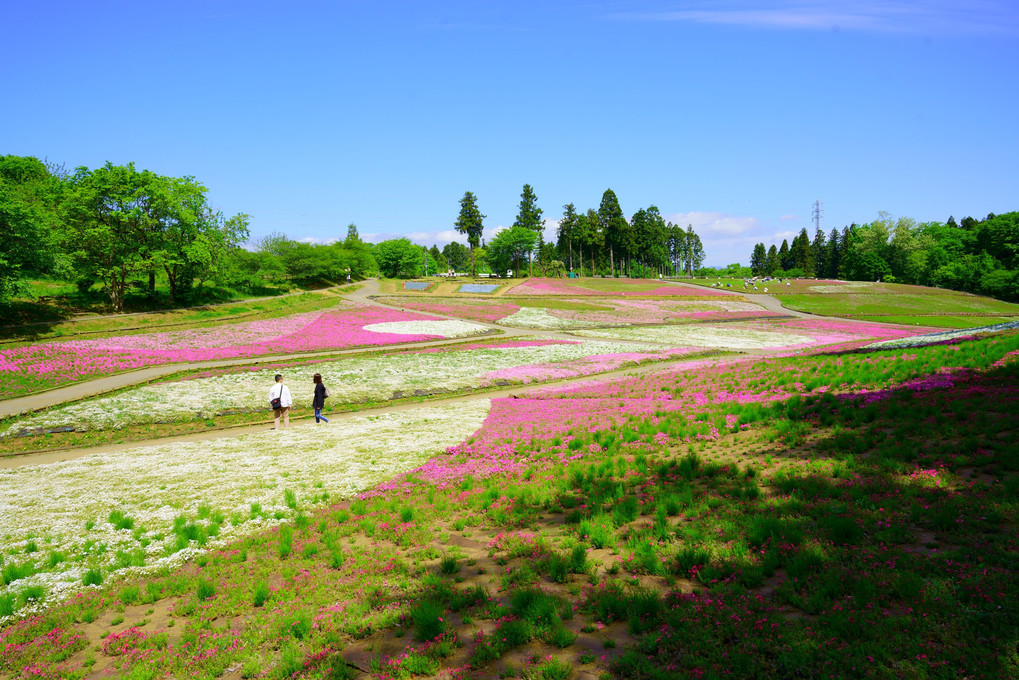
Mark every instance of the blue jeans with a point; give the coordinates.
(319, 416)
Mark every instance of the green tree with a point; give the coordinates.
(590, 234)
(773, 262)
(112, 214)
(784, 259)
(650, 236)
(529, 217)
(677, 247)
(30, 198)
(456, 255)
(800, 253)
(694, 252)
(509, 246)
(353, 239)
(759, 260)
(469, 223)
(399, 258)
(566, 232)
(613, 225)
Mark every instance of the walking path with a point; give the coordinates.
(109, 383)
(365, 295)
(56, 456)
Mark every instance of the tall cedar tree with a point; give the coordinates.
(529, 217)
(759, 260)
(819, 250)
(773, 261)
(470, 223)
(566, 232)
(613, 225)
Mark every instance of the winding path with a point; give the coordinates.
(365, 295)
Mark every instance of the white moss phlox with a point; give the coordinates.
(446, 328)
(702, 336)
(51, 504)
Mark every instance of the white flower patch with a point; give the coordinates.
(538, 317)
(941, 336)
(842, 288)
(353, 380)
(447, 328)
(721, 305)
(701, 336)
(154, 485)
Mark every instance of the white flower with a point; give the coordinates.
(153, 485)
(701, 336)
(538, 317)
(441, 327)
(350, 380)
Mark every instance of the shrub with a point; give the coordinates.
(93, 577)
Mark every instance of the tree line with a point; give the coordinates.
(599, 241)
(120, 228)
(975, 256)
(124, 233)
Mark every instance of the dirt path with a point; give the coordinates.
(20, 460)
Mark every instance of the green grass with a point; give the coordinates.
(932, 306)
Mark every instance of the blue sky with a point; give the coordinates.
(732, 116)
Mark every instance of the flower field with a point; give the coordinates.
(832, 498)
(39, 366)
(152, 506)
(351, 380)
(574, 287)
(566, 313)
(821, 515)
(786, 334)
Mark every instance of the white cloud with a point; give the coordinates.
(877, 16)
(713, 223)
(318, 241)
(786, 218)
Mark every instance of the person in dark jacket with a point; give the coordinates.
(319, 400)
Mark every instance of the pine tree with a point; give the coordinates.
(773, 261)
(566, 231)
(819, 249)
(759, 260)
(470, 223)
(529, 217)
(613, 224)
(784, 260)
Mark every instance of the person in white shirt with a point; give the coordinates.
(281, 392)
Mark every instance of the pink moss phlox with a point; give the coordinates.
(72, 360)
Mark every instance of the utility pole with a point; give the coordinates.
(818, 213)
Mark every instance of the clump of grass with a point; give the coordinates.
(93, 577)
(260, 594)
(449, 565)
(428, 620)
(120, 521)
(129, 594)
(206, 590)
